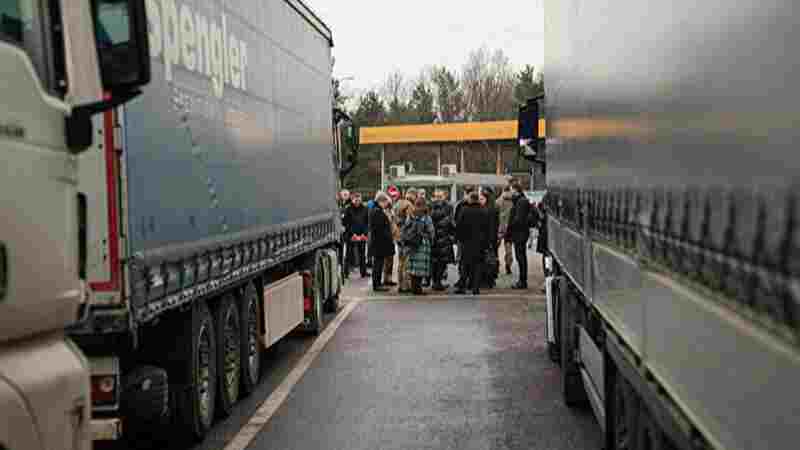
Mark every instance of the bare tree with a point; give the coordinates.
(420, 105)
(448, 93)
(396, 93)
(488, 80)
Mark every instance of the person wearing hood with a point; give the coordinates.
(405, 211)
(490, 256)
(504, 204)
(442, 249)
(462, 276)
(388, 262)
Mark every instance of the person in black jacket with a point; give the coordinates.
(381, 243)
(356, 225)
(519, 230)
(490, 255)
(442, 250)
(462, 276)
(472, 232)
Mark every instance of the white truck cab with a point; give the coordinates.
(61, 61)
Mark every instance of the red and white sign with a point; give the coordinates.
(393, 191)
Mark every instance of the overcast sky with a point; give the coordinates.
(374, 37)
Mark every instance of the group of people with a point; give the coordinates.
(423, 236)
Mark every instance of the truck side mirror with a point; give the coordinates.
(528, 129)
(122, 44)
(123, 57)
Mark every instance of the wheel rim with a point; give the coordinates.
(621, 430)
(232, 354)
(204, 375)
(252, 339)
(318, 307)
(318, 295)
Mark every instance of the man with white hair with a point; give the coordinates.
(381, 242)
(344, 198)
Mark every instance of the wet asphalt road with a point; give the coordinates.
(459, 373)
(439, 372)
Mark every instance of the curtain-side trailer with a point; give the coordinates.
(212, 229)
(673, 219)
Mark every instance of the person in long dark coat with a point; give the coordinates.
(381, 243)
(462, 276)
(472, 232)
(442, 251)
(490, 257)
(520, 232)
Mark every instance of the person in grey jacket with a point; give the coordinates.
(504, 204)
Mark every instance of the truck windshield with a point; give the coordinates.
(20, 25)
(112, 27)
(12, 21)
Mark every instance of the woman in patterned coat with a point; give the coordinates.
(419, 249)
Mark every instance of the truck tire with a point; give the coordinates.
(332, 304)
(195, 356)
(250, 316)
(650, 435)
(144, 402)
(572, 388)
(228, 328)
(625, 408)
(554, 348)
(317, 279)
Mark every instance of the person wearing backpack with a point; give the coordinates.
(520, 232)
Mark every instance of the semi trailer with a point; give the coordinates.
(210, 228)
(53, 73)
(672, 219)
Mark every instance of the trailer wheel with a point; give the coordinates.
(332, 305)
(571, 383)
(553, 348)
(196, 401)
(250, 314)
(228, 329)
(625, 414)
(144, 403)
(650, 436)
(317, 321)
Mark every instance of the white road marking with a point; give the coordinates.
(268, 408)
(446, 296)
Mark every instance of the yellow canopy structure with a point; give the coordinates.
(502, 130)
